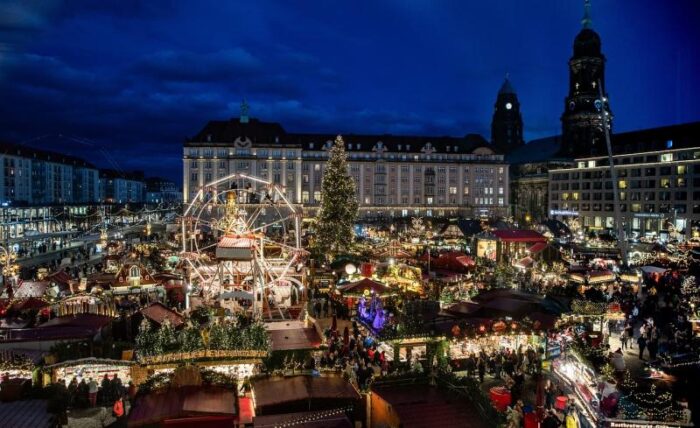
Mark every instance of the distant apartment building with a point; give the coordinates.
(395, 176)
(122, 187)
(162, 191)
(30, 176)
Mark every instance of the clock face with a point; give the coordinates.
(598, 105)
(509, 106)
(572, 105)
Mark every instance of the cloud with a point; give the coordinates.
(199, 67)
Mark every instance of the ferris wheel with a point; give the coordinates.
(241, 238)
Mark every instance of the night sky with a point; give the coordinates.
(129, 80)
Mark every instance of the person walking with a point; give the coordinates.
(481, 367)
(642, 342)
(624, 339)
(92, 392)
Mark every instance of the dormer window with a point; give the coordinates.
(399, 147)
(311, 146)
(134, 272)
(447, 149)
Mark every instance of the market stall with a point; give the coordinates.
(86, 368)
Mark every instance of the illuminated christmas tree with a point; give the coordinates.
(338, 211)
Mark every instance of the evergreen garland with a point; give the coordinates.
(339, 206)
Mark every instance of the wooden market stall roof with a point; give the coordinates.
(25, 413)
(365, 284)
(426, 406)
(293, 338)
(318, 419)
(158, 313)
(518, 235)
(197, 403)
(272, 392)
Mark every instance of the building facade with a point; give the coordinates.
(160, 190)
(121, 187)
(30, 176)
(659, 191)
(394, 175)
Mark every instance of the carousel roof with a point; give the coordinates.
(365, 284)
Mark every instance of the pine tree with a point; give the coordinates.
(166, 338)
(338, 211)
(144, 339)
(191, 339)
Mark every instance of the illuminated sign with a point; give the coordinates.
(563, 212)
(649, 215)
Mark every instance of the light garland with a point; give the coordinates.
(317, 416)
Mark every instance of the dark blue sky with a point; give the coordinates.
(136, 77)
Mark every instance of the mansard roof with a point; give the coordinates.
(224, 133)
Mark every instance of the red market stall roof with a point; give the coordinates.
(453, 261)
(515, 235)
(525, 262)
(158, 313)
(365, 284)
(185, 406)
(537, 247)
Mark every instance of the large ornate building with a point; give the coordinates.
(395, 176)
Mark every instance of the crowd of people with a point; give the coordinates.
(90, 393)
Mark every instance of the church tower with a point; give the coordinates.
(582, 120)
(507, 123)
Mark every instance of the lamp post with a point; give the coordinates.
(9, 269)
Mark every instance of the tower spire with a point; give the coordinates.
(244, 111)
(586, 21)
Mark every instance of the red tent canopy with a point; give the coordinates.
(514, 235)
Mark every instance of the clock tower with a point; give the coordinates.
(582, 120)
(507, 123)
